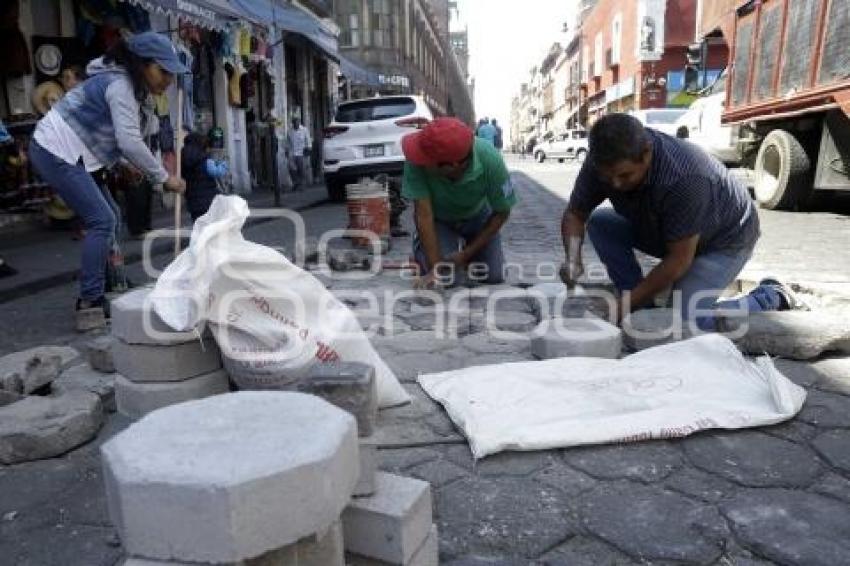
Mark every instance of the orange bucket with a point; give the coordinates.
(369, 213)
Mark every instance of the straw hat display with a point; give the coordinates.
(46, 95)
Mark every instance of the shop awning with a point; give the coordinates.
(292, 19)
(357, 74)
(210, 14)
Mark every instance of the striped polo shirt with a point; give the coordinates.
(686, 192)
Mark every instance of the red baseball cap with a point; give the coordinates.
(444, 140)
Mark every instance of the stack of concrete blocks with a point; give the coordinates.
(253, 478)
(388, 521)
(158, 366)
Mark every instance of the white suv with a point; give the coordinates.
(364, 139)
(572, 144)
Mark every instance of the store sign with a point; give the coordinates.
(193, 9)
(394, 80)
(650, 32)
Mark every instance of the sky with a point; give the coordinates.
(506, 39)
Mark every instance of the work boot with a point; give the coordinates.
(790, 300)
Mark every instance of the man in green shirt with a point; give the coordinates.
(462, 195)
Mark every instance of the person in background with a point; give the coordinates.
(298, 144)
(487, 132)
(201, 171)
(498, 141)
(92, 127)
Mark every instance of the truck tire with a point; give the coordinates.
(783, 176)
(336, 189)
(540, 157)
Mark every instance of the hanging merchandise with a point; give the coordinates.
(234, 83)
(244, 43)
(16, 57)
(187, 84)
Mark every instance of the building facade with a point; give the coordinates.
(405, 45)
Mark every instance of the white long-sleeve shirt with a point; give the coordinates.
(298, 140)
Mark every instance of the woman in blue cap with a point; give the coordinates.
(94, 126)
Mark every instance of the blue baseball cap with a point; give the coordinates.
(152, 45)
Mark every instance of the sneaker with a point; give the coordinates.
(791, 301)
(99, 303)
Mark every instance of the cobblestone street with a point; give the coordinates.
(775, 495)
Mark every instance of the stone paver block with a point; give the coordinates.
(586, 551)
(420, 341)
(554, 300)
(800, 335)
(509, 321)
(135, 399)
(791, 527)
(834, 446)
(438, 472)
(753, 459)
(81, 377)
(428, 554)
(29, 370)
(367, 480)
(700, 485)
(348, 260)
(42, 427)
(834, 375)
(501, 517)
(135, 322)
(99, 353)
(653, 327)
(8, 397)
(581, 337)
(652, 524)
(645, 462)
(166, 363)
(392, 524)
(826, 410)
(317, 550)
(348, 385)
(565, 479)
(486, 343)
(230, 477)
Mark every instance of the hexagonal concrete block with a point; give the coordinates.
(653, 327)
(367, 481)
(392, 524)
(348, 385)
(135, 322)
(135, 400)
(230, 477)
(572, 337)
(99, 352)
(166, 363)
(428, 554)
(800, 335)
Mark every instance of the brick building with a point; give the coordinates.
(634, 55)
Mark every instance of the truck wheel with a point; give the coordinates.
(540, 157)
(581, 155)
(336, 189)
(783, 179)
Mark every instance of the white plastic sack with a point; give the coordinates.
(664, 392)
(271, 319)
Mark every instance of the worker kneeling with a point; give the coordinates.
(671, 201)
(462, 195)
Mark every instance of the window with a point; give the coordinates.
(382, 23)
(377, 109)
(598, 56)
(616, 39)
(349, 19)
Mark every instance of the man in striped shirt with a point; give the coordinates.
(669, 200)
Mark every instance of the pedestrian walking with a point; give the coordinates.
(672, 201)
(497, 138)
(462, 196)
(487, 132)
(298, 143)
(92, 127)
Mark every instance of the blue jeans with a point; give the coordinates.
(452, 236)
(710, 274)
(79, 191)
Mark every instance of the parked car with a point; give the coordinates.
(572, 144)
(701, 124)
(364, 139)
(661, 119)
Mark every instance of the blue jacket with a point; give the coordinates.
(104, 113)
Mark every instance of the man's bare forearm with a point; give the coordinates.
(427, 233)
(572, 226)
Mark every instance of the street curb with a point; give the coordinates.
(165, 247)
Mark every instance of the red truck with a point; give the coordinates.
(788, 93)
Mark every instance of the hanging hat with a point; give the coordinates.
(48, 59)
(46, 95)
(216, 137)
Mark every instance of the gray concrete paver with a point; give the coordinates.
(645, 462)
